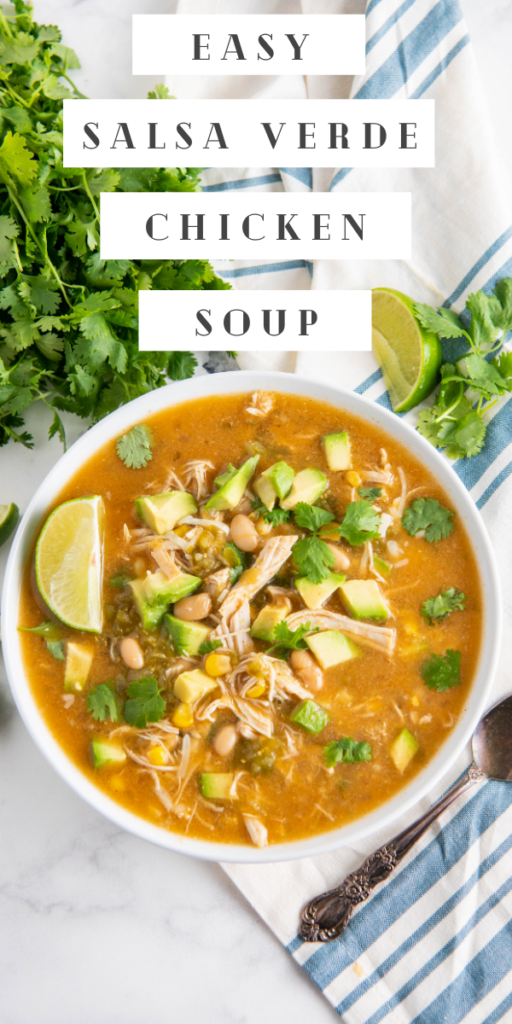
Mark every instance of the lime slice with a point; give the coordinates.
(9, 515)
(69, 563)
(409, 356)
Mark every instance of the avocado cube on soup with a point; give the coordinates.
(105, 752)
(216, 785)
(78, 665)
(267, 619)
(275, 482)
(403, 749)
(310, 716)
(307, 486)
(337, 451)
(332, 648)
(363, 599)
(233, 486)
(315, 595)
(190, 686)
(161, 512)
(187, 637)
(155, 592)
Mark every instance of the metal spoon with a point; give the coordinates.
(326, 916)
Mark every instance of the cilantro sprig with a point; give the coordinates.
(441, 671)
(361, 522)
(437, 609)
(68, 318)
(312, 556)
(286, 639)
(429, 515)
(135, 447)
(274, 516)
(209, 645)
(346, 751)
(103, 703)
(51, 633)
(468, 389)
(145, 703)
(372, 493)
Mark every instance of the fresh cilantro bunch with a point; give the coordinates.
(470, 387)
(428, 515)
(437, 609)
(68, 319)
(312, 556)
(441, 671)
(346, 751)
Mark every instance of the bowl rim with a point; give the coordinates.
(233, 382)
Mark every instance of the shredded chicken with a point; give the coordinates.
(216, 583)
(196, 477)
(376, 476)
(164, 560)
(172, 481)
(241, 624)
(216, 523)
(380, 636)
(275, 553)
(261, 404)
(403, 495)
(256, 830)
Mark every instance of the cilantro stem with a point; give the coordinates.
(5, 26)
(42, 249)
(91, 197)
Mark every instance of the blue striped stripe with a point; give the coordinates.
(268, 268)
(499, 436)
(372, 379)
(384, 29)
(426, 927)
(493, 486)
(414, 49)
(302, 174)
(371, 6)
(438, 70)
(415, 879)
(499, 1011)
(228, 186)
(477, 267)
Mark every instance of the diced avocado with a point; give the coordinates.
(154, 594)
(161, 512)
(267, 619)
(315, 595)
(216, 785)
(363, 599)
(187, 637)
(106, 752)
(331, 647)
(337, 450)
(307, 486)
(275, 482)
(190, 686)
(403, 749)
(311, 716)
(382, 566)
(78, 665)
(232, 490)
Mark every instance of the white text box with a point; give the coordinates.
(229, 225)
(255, 133)
(248, 44)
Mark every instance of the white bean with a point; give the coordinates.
(225, 740)
(309, 673)
(192, 608)
(243, 533)
(131, 652)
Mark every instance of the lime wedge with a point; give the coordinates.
(408, 355)
(9, 515)
(69, 563)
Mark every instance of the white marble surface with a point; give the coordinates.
(95, 924)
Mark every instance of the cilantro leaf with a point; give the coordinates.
(313, 558)
(371, 493)
(311, 517)
(56, 647)
(274, 516)
(209, 645)
(50, 630)
(346, 751)
(145, 703)
(361, 522)
(441, 671)
(134, 448)
(286, 639)
(444, 322)
(181, 365)
(440, 607)
(427, 514)
(121, 578)
(103, 703)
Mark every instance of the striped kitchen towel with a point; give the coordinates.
(434, 944)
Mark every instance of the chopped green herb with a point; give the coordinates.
(134, 448)
(427, 514)
(209, 645)
(56, 648)
(145, 703)
(121, 578)
(286, 639)
(311, 517)
(346, 751)
(274, 516)
(437, 609)
(361, 522)
(313, 558)
(441, 671)
(371, 493)
(103, 703)
(50, 630)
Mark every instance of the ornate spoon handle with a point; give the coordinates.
(326, 916)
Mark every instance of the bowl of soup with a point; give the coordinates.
(251, 617)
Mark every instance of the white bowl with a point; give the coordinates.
(229, 383)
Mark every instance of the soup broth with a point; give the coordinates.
(362, 684)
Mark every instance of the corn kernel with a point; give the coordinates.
(262, 527)
(217, 665)
(117, 783)
(256, 691)
(205, 541)
(183, 717)
(157, 755)
(353, 478)
(180, 531)
(415, 701)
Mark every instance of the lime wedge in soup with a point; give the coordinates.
(9, 515)
(408, 355)
(69, 556)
